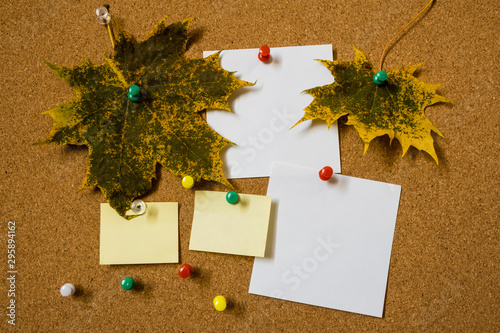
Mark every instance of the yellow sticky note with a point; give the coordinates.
(219, 226)
(151, 238)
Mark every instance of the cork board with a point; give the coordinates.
(444, 265)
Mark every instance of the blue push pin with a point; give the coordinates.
(134, 93)
(380, 78)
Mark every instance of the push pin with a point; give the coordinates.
(232, 197)
(102, 15)
(187, 182)
(67, 290)
(134, 93)
(326, 173)
(264, 53)
(128, 283)
(185, 271)
(138, 207)
(380, 77)
(220, 303)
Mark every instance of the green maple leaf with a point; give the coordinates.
(395, 108)
(127, 139)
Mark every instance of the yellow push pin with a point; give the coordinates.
(220, 303)
(187, 182)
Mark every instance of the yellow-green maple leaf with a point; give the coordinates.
(127, 139)
(395, 108)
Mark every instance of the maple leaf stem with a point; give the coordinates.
(111, 35)
(384, 53)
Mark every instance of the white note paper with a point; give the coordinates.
(329, 242)
(264, 114)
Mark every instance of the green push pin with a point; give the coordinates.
(232, 197)
(134, 93)
(128, 283)
(380, 77)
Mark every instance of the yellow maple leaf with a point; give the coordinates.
(128, 135)
(395, 108)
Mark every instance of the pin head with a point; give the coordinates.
(264, 53)
(380, 78)
(185, 271)
(138, 207)
(187, 182)
(128, 283)
(102, 15)
(220, 303)
(134, 93)
(326, 173)
(67, 290)
(232, 197)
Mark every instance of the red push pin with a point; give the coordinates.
(326, 173)
(264, 53)
(185, 271)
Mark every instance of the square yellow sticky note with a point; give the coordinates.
(219, 226)
(152, 238)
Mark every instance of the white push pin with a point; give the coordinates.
(67, 290)
(102, 15)
(138, 207)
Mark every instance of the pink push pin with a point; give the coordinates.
(326, 173)
(185, 271)
(264, 53)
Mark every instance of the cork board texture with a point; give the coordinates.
(444, 266)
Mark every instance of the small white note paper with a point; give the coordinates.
(261, 125)
(330, 241)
